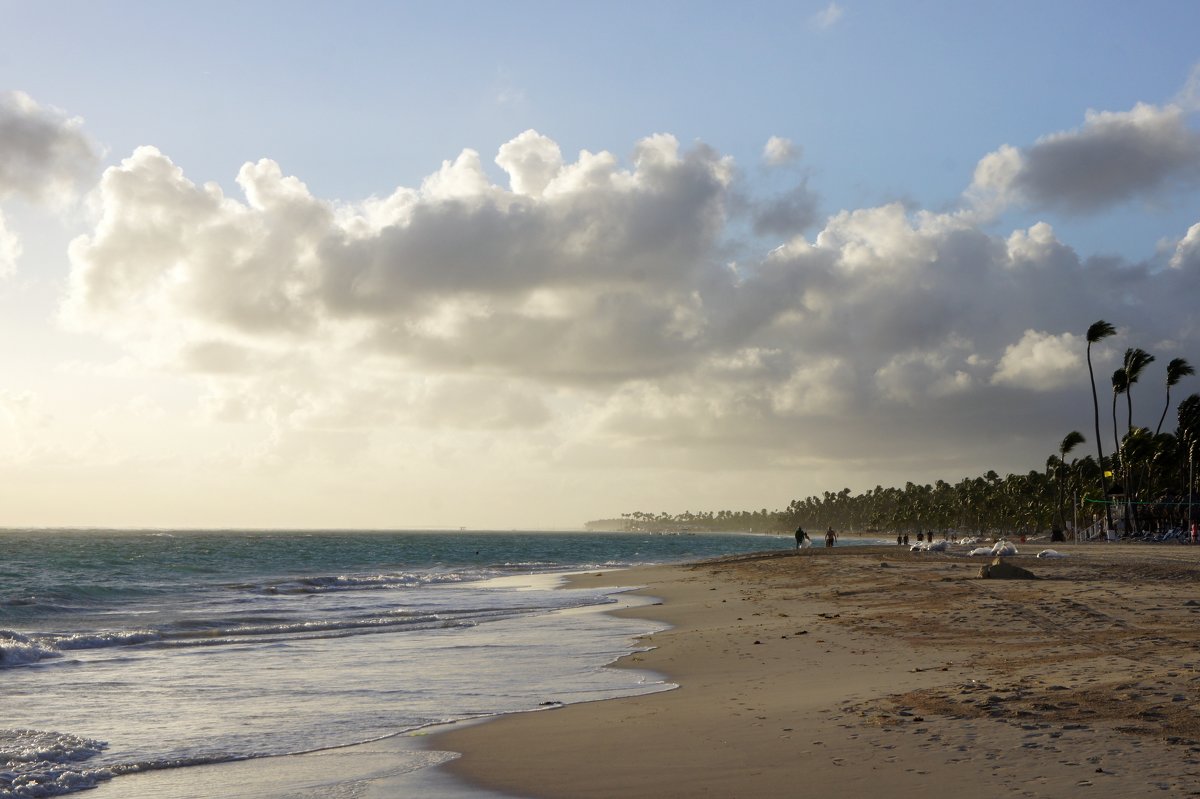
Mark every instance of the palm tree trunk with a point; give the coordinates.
(1131, 510)
(1099, 447)
(1117, 457)
(1116, 435)
(1166, 407)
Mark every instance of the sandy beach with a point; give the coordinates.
(876, 672)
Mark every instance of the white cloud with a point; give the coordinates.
(1189, 96)
(827, 17)
(23, 417)
(1041, 361)
(531, 161)
(10, 249)
(589, 303)
(817, 388)
(914, 377)
(779, 151)
(1187, 251)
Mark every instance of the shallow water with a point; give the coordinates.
(127, 651)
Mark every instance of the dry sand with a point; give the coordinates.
(876, 672)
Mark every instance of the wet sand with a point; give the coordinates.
(876, 672)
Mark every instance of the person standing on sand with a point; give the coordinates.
(800, 536)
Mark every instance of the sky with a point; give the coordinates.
(526, 264)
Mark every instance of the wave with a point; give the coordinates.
(19, 649)
(37, 763)
(320, 584)
(74, 598)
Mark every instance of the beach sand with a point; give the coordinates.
(876, 672)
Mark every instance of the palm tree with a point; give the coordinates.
(1136, 359)
(1096, 332)
(1177, 369)
(1069, 442)
(1188, 413)
(1188, 432)
(1120, 384)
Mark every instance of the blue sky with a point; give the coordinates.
(890, 99)
(878, 106)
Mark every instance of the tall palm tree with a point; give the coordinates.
(1177, 369)
(1188, 413)
(1069, 442)
(1136, 360)
(1120, 384)
(1096, 332)
(1189, 431)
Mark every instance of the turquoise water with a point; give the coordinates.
(126, 651)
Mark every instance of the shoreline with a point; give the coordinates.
(397, 764)
(874, 670)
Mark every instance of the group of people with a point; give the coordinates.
(801, 537)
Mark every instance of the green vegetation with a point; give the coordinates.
(1149, 479)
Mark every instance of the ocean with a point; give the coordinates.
(128, 651)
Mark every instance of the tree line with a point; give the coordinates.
(1146, 483)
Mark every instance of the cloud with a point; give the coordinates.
(1041, 361)
(786, 214)
(588, 305)
(827, 17)
(1189, 96)
(22, 418)
(779, 151)
(457, 272)
(917, 376)
(10, 249)
(44, 155)
(1187, 251)
(1112, 158)
(531, 161)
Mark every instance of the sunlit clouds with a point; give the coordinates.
(778, 151)
(788, 254)
(588, 298)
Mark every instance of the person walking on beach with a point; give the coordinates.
(830, 538)
(801, 536)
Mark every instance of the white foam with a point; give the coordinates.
(37, 763)
(106, 639)
(18, 650)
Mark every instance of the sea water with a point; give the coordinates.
(125, 651)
